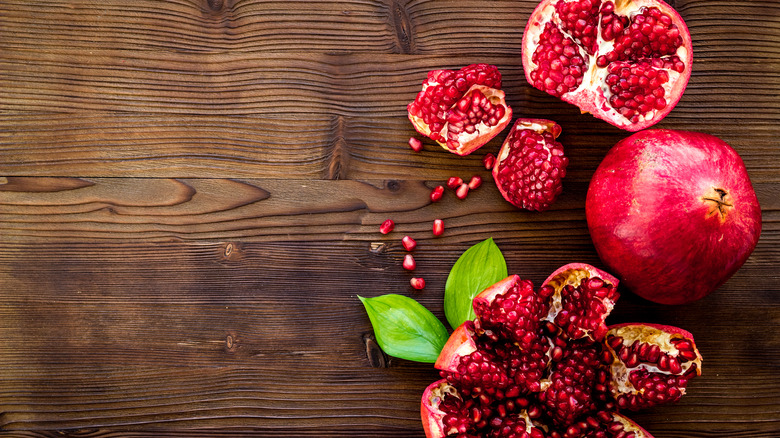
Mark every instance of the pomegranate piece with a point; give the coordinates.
(513, 371)
(415, 144)
(652, 364)
(673, 214)
(437, 193)
(581, 299)
(625, 62)
(387, 226)
(417, 283)
(461, 110)
(438, 227)
(409, 264)
(531, 165)
(409, 243)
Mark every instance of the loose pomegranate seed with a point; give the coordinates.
(417, 283)
(409, 263)
(475, 182)
(454, 182)
(408, 243)
(387, 226)
(462, 191)
(489, 160)
(415, 144)
(437, 193)
(438, 227)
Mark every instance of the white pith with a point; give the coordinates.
(533, 126)
(493, 96)
(594, 77)
(646, 334)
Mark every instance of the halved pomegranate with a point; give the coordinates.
(461, 110)
(520, 369)
(530, 165)
(652, 364)
(624, 61)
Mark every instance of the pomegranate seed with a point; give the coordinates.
(415, 144)
(387, 226)
(437, 193)
(454, 182)
(417, 283)
(409, 263)
(489, 161)
(462, 191)
(475, 182)
(408, 243)
(438, 227)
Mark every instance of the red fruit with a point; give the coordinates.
(417, 283)
(514, 372)
(454, 182)
(438, 227)
(488, 161)
(581, 299)
(626, 62)
(461, 110)
(409, 263)
(531, 164)
(387, 226)
(437, 193)
(415, 144)
(462, 191)
(475, 182)
(652, 364)
(408, 243)
(673, 214)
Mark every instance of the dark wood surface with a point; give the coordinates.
(190, 194)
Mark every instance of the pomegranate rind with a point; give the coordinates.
(651, 220)
(488, 295)
(431, 415)
(460, 344)
(587, 96)
(630, 426)
(646, 332)
(573, 273)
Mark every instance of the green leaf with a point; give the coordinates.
(479, 267)
(404, 328)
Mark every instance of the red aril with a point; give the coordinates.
(627, 62)
(409, 243)
(409, 264)
(461, 110)
(437, 193)
(673, 214)
(530, 165)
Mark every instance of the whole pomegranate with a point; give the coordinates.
(461, 110)
(673, 214)
(627, 62)
(542, 363)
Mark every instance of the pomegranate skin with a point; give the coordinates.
(673, 214)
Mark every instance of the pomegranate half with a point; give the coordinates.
(627, 62)
(673, 214)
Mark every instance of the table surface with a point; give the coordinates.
(190, 194)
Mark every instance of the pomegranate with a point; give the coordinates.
(521, 370)
(461, 110)
(530, 165)
(673, 214)
(626, 62)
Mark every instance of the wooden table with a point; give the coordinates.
(191, 192)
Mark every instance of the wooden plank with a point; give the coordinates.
(160, 115)
(207, 210)
(388, 26)
(272, 336)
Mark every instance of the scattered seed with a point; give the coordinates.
(462, 191)
(409, 263)
(475, 182)
(387, 226)
(489, 161)
(437, 193)
(438, 227)
(454, 182)
(408, 243)
(415, 144)
(417, 283)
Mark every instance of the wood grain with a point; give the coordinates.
(190, 194)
